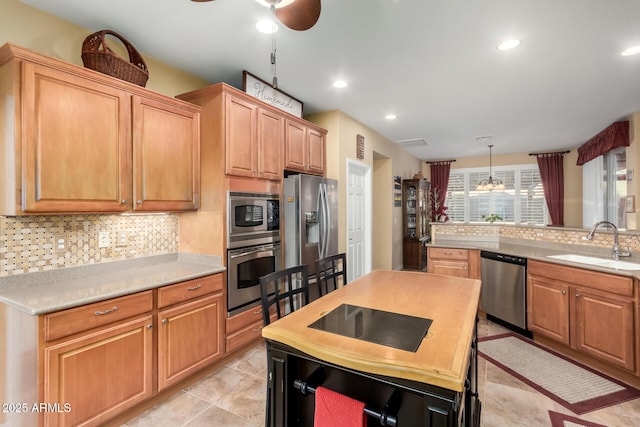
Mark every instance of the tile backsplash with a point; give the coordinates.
(546, 235)
(28, 244)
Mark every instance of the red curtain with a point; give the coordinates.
(551, 168)
(439, 184)
(615, 135)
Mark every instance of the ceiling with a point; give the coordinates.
(432, 63)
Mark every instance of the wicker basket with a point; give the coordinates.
(96, 55)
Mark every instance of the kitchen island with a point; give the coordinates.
(348, 341)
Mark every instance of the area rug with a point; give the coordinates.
(573, 385)
(564, 420)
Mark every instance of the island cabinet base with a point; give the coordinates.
(295, 375)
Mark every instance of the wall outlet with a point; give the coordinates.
(61, 242)
(123, 238)
(103, 239)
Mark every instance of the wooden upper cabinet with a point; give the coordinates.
(296, 147)
(166, 156)
(76, 136)
(77, 141)
(240, 141)
(270, 144)
(254, 137)
(304, 148)
(316, 140)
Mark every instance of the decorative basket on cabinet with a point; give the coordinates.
(97, 56)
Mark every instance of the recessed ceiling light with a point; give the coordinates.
(633, 50)
(267, 26)
(339, 84)
(390, 117)
(509, 44)
(282, 3)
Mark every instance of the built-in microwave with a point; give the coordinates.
(253, 218)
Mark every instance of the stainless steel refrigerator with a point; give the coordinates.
(310, 220)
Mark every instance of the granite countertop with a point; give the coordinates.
(539, 251)
(49, 291)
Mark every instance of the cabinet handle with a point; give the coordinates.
(150, 326)
(139, 202)
(256, 312)
(102, 313)
(123, 201)
(464, 268)
(563, 292)
(577, 295)
(165, 321)
(194, 288)
(258, 329)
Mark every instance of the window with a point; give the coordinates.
(521, 202)
(604, 189)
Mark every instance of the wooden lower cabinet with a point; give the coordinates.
(589, 311)
(98, 359)
(94, 376)
(548, 308)
(189, 338)
(245, 327)
(454, 262)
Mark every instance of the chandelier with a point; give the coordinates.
(490, 184)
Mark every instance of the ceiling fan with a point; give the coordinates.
(298, 15)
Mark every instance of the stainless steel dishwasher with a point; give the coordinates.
(504, 285)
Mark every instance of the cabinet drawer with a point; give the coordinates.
(74, 320)
(245, 335)
(184, 291)
(243, 319)
(446, 253)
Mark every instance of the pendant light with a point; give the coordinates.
(490, 184)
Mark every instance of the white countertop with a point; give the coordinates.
(49, 291)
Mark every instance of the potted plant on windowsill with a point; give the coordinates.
(492, 217)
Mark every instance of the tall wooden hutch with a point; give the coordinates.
(415, 213)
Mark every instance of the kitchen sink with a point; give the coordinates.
(600, 262)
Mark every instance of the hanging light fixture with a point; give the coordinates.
(490, 184)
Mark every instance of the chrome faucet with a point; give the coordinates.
(617, 253)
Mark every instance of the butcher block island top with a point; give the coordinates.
(441, 359)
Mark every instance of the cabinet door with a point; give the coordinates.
(166, 156)
(190, 338)
(270, 143)
(295, 146)
(316, 141)
(99, 374)
(548, 308)
(604, 327)
(240, 139)
(76, 136)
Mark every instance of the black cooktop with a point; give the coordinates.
(381, 327)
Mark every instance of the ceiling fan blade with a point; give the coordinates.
(299, 15)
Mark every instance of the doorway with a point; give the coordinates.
(358, 219)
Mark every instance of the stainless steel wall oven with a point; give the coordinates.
(253, 246)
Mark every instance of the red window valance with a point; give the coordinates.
(615, 135)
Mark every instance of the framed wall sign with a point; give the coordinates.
(263, 91)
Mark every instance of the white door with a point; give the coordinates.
(358, 219)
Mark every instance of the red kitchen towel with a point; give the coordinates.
(337, 410)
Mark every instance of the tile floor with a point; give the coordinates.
(233, 396)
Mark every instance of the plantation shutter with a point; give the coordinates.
(455, 197)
